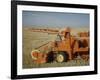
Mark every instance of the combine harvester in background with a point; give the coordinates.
(66, 47)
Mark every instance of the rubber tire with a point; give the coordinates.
(61, 57)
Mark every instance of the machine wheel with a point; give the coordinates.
(85, 57)
(82, 55)
(61, 57)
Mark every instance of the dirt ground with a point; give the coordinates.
(32, 40)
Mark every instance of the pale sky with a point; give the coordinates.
(54, 19)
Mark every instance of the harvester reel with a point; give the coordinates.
(33, 52)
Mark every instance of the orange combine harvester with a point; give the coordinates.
(66, 47)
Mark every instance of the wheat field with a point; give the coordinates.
(32, 40)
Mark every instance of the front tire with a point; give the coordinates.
(61, 57)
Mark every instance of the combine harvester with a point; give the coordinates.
(66, 47)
